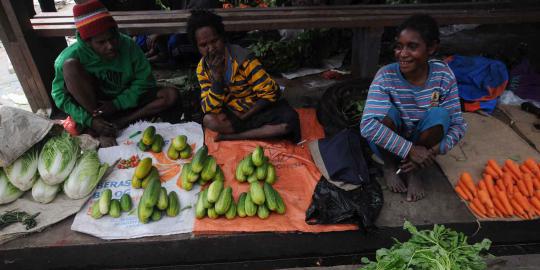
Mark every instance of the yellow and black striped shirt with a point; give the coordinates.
(248, 83)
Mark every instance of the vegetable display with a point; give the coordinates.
(179, 148)
(510, 190)
(202, 169)
(438, 249)
(151, 141)
(106, 205)
(261, 199)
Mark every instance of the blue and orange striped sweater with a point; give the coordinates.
(247, 83)
(390, 88)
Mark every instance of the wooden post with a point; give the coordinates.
(366, 47)
(32, 57)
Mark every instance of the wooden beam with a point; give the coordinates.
(29, 54)
(472, 17)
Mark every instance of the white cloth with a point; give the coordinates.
(119, 181)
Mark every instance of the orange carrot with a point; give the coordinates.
(523, 202)
(499, 206)
(468, 182)
(466, 190)
(513, 168)
(498, 213)
(500, 185)
(536, 183)
(493, 164)
(529, 184)
(507, 178)
(476, 211)
(490, 171)
(531, 164)
(522, 188)
(536, 203)
(505, 202)
(476, 201)
(525, 169)
(482, 185)
(461, 193)
(537, 194)
(490, 186)
(517, 208)
(485, 199)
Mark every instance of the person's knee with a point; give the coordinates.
(285, 128)
(211, 122)
(168, 96)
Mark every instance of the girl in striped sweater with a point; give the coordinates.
(412, 112)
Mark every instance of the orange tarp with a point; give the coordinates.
(297, 178)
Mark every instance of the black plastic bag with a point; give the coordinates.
(333, 205)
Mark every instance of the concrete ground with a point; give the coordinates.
(518, 262)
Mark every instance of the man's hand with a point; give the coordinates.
(106, 108)
(216, 63)
(103, 127)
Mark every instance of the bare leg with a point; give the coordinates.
(218, 122)
(415, 186)
(83, 88)
(80, 84)
(263, 132)
(165, 98)
(393, 181)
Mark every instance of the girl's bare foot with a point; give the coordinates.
(415, 187)
(393, 181)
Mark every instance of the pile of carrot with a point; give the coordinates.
(503, 192)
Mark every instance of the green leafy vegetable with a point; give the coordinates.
(8, 192)
(22, 172)
(437, 249)
(85, 176)
(57, 159)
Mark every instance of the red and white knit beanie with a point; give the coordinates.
(92, 18)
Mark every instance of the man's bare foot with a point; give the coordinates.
(415, 187)
(105, 141)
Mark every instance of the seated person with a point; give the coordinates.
(103, 81)
(412, 111)
(239, 99)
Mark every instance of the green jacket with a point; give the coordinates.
(124, 78)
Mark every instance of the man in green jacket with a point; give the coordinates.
(103, 81)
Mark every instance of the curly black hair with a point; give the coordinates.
(425, 25)
(201, 18)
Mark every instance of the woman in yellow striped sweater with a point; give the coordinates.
(240, 100)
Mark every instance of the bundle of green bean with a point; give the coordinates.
(13, 216)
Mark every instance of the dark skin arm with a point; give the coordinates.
(106, 108)
(257, 107)
(103, 127)
(419, 157)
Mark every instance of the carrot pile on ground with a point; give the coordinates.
(503, 192)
